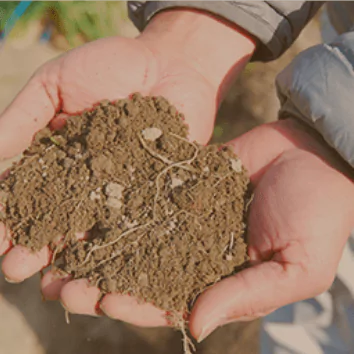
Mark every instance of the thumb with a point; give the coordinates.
(250, 294)
(29, 112)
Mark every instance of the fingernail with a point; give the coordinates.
(205, 332)
(213, 325)
(11, 281)
(240, 319)
(209, 328)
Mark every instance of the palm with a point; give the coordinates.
(114, 68)
(110, 68)
(290, 199)
(105, 69)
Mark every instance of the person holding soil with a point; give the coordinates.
(300, 166)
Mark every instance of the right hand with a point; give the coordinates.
(299, 221)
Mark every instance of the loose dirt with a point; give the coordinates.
(163, 216)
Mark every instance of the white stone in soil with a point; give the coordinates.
(95, 196)
(176, 182)
(114, 203)
(236, 165)
(151, 134)
(114, 190)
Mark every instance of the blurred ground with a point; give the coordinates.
(30, 326)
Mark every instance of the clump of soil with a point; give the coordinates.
(165, 215)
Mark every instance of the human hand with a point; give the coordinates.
(172, 58)
(300, 219)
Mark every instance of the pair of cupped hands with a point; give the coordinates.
(302, 212)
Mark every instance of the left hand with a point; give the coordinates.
(300, 219)
(171, 58)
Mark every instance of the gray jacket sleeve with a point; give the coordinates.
(318, 88)
(276, 24)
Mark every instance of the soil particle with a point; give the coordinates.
(165, 215)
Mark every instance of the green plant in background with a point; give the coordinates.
(77, 21)
(82, 21)
(6, 9)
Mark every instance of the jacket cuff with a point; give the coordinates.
(275, 24)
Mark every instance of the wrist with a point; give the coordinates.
(214, 48)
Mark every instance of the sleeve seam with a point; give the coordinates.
(256, 17)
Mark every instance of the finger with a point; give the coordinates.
(5, 239)
(199, 110)
(21, 263)
(268, 286)
(5, 235)
(52, 284)
(30, 111)
(126, 308)
(79, 297)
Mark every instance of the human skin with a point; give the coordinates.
(302, 211)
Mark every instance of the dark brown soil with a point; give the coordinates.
(165, 216)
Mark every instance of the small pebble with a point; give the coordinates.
(176, 182)
(114, 190)
(151, 134)
(236, 165)
(95, 196)
(114, 203)
(172, 225)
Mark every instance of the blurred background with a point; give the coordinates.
(32, 33)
